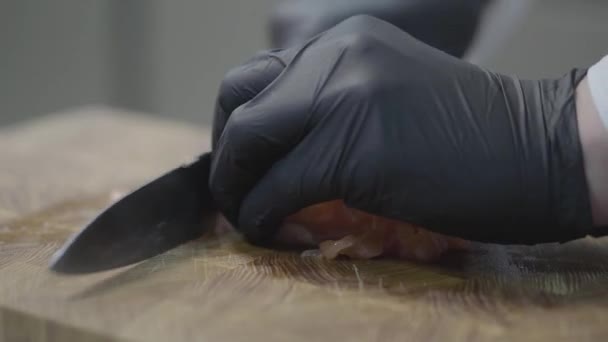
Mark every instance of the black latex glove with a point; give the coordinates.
(449, 25)
(368, 114)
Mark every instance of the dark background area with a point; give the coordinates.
(167, 57)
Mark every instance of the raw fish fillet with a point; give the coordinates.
(337, 230)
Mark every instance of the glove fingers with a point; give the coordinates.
(256, 135)
(292, 184)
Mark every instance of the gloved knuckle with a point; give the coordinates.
(359, 41)
(230, 81)
(361, 22)
(237, 75)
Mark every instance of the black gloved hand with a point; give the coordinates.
(368, 114)
(447, 25)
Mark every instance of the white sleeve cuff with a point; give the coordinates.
(597, 76)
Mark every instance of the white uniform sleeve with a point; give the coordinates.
(597, 76)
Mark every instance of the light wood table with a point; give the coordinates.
(58, 172)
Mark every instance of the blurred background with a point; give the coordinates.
(167, 57)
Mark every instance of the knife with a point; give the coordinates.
(167, 212)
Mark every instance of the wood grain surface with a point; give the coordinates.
(57, 173)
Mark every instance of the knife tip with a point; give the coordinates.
(61, 264)
(58, 264)
(62, 267)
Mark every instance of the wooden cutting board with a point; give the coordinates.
(58, 172)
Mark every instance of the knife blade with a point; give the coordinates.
(171, 210)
